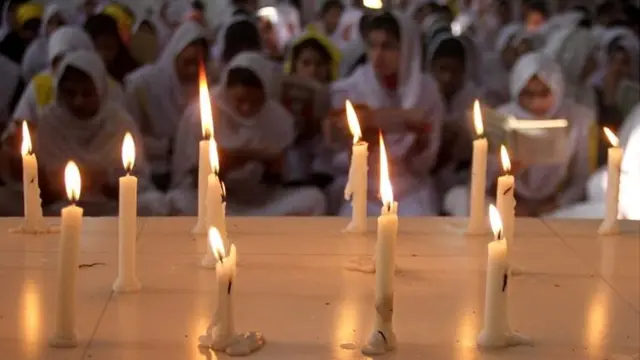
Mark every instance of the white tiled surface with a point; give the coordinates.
(579, 296)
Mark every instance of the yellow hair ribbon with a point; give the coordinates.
(29, 11)
(312, 34)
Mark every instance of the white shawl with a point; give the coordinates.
(35, 57)
(156, 98)
(571, 49)
(539, 182)
(495, 76)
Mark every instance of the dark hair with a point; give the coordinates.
(240, 12)
(32, 25)
(240, 36)
(446, 11)
(72, 73)
(241, 76)
(104, 25)
(385, 22)
(330, 5)
(198, 5)
(618, 23)
(539, 7)
(450, 48)
(314, 45)
(615, 47)
(606, 8)
(586, 21)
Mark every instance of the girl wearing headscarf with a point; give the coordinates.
(538, 92)
(420, 9)
(35, 58)
(28, 19)
(9, 21)
(273, 31)
(147, 40)
(405, 105)
(41, 90)
(83, 125)
(498, 65)
(158, 94)
(108, 42)
(447, 60)
(252, 131)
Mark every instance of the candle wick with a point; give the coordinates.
(505, 279)
(229, 287)
(507, 190)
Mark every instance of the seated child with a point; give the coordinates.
(252, 131)
(83, 125)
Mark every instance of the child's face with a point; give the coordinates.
(331, 19)
(536, 97)
(450, 74)
(310, 65)
(384, 52)
(245, 100)
(187, 63)
(79, 94)
(534, 21)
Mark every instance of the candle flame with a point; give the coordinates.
(128, 152)
(215, 241)
(72, 181)
(496, 221)
(477, 118)
(613, 139)
(372, 4)
(27, 148)
(386, 191)
(206, 115)
(504, 157)
(213, 156)
(352, 119)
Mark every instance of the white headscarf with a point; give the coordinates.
(158, 89)
(628, 40)
(267, 133)
(507, 35)
(348, 28)
(571, 48)
(495, 76)
(6, 28)
(35, 58)
(538, 182)
(94, 142)
(67, 39)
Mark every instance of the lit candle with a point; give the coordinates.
(33, 220)
(609, 225)
(216, 205)
(478, 176)
(496, 332)
(221, 330)
(383, 339)
(65, 311)
(127, 280)
(356, 189)
(204, 168)
(505, 199)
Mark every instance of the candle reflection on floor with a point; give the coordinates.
(346, 322)
(599, 308)
(467, 331)
(31, 303)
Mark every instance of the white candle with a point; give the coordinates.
(221, 331)
(65, 311)
(478, 176)
(383, 339)
(505, 198)
(609, 225)
(496, 321)
(127, 280)
(356, 189)
(204, 168)
(216, 205)
(33, 220)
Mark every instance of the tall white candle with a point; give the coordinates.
(383, 339)
(65, 311)
(221, 331)
(127, 280)
(610, 225)
(33, 220)
(496, 331)
(204, 168)
(505, 196)
(477, 223)
(356, 189)
(216, 206)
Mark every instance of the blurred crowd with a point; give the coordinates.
(83, 77)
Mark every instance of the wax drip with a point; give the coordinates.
(229, 287)
(507, 191)
(505, 279)
(33, 180)
(223, 194)
(500, 234)
(384, 338)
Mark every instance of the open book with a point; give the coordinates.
(308, 101)
(528, 141)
